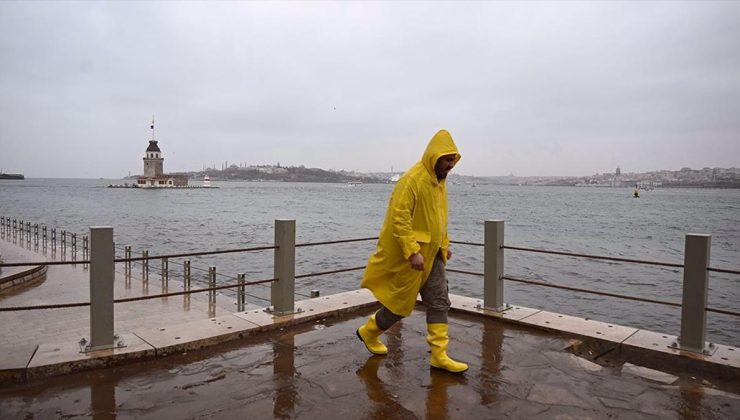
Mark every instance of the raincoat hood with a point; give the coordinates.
(440, 145)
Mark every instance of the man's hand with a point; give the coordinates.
(417, 261)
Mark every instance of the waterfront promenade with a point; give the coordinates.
(311, 365)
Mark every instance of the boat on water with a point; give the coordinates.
(206, 182)
(354, 183)
(3, 175)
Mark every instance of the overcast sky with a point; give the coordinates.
(529, 88)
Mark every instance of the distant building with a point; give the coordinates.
(154, 176)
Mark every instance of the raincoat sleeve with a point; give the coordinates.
(445, 247)
(402, 208)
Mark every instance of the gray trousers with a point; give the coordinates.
(434, 293)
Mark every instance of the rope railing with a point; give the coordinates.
(627, 297)
(323, 273)
(136, 259)
(589, 291)
(595, 257)
(723, 270)
(341, 241)
(134, 299)
(467, 243)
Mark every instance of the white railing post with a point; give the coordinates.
(694, 301)
(493, 266)
(282, 295)
(102, 274)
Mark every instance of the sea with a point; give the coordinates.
(588, 220)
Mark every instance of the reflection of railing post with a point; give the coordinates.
(127, 264)
(211, 284)
(240, 293)
(101, 287)
(145, 266)
(694, 302)
(282, 294)
(186, 275)
(165, 271)
(493, 266)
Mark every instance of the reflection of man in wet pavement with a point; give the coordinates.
(412, 251)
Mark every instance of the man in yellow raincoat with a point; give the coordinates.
(412, 251)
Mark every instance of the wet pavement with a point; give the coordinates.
(321, 370)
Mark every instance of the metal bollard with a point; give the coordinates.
(186, 275)
(102, 273)
(145, 266)
(165, 271)
(282, 293)
(694, 302)
(493, 266)
(240, 293)
(211, 284)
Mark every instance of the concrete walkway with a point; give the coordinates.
(321, 370)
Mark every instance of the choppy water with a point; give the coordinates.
(604, 221)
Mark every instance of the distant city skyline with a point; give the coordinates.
(525, 88)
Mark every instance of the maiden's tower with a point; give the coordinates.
(154, 176)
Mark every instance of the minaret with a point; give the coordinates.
(153, 161)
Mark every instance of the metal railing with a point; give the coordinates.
(695, 281)
(282, 295)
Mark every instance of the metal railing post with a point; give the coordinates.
(282, 294)
(493, 266)
(63, 248)
(53, 239)
(211, 284)
(694, 302)
(74, 246)
(102, 273)
(44, 236)
(36, 234)
(240, 293)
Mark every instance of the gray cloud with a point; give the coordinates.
(527, 88)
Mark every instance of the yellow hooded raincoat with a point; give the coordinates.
(416, 221)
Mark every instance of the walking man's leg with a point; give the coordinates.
(374, 327)
(435, 295)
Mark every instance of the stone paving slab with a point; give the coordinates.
(52, 359)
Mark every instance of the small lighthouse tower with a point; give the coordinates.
(153, 160)
(154, 176)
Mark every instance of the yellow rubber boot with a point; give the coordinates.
(369, 334)
(438, 341)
